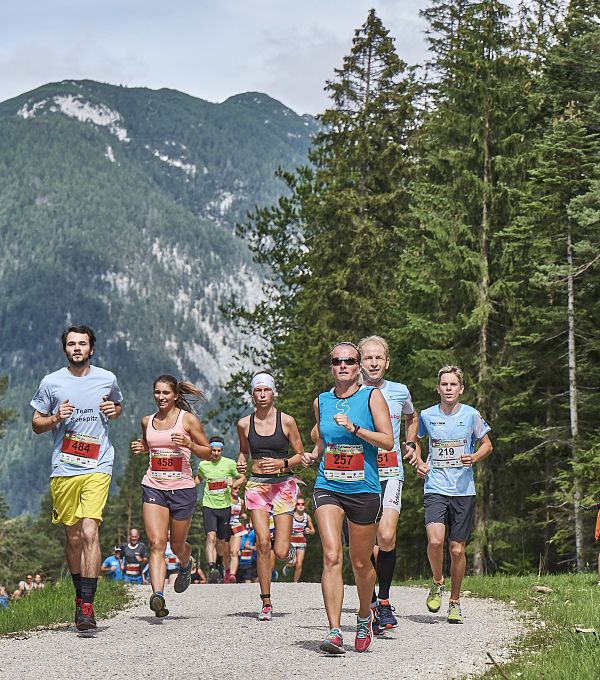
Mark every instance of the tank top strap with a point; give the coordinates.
(278, 425)
(252, 428)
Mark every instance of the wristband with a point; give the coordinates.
(285, 463)
(356, 429)
(412, 445)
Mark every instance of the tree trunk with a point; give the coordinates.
(483, 474)
(577, 493)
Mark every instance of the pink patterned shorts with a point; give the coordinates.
(278, 498)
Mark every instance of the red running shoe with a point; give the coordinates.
(87, 620)
(364, 634)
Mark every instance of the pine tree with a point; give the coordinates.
(554, 333)
(333, 241)
(472, 146)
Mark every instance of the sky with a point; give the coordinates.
(210, 49)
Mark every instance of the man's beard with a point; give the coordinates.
(79, 360)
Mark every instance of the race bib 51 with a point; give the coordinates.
(387, 464)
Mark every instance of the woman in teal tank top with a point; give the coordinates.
(352, 422)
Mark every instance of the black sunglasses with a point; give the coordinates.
(349, 361)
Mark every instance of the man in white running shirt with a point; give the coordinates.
(375, 360)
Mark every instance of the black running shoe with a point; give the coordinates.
(184, 578)
(87, 620)
(157, 605)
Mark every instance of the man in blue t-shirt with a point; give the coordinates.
(374, 362)
(453, 430)
(76, 403)
(111, 566)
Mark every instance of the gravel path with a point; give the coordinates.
(212, 632)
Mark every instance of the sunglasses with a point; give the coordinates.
(349, 361)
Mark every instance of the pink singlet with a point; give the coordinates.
(169, 467)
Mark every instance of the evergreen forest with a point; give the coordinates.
(454, 209)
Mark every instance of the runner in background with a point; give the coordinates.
(237, 530)
(171, 562)
(221, 477)
(352, 422)
(111, 567)
(247, 570)
(302, 526)
(375, 361)
(170, 437)
(76, 403)
(134, 557)
(453, 429)
(267, 435)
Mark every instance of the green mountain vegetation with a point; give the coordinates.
(118, 210)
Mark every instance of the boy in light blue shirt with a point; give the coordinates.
(453, 430)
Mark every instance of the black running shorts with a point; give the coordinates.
(360, 508)
(457, 512)
(217, 520)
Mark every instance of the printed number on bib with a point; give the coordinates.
(216, 486)
(447, 452)
(166, 464)
(237, 528)
(344, 462)
(78, 449)
(387, 464)
(246, 554)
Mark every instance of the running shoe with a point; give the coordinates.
(157, 605)
(232, 578)
(333, 643)
(213, 575)
(364, 634)
(274, 575)
(78, 602)
(434, 599)
(87, 620)
(285, 570)
(184, 578)
(378, 629)
(291, 558)
(266, 613)
(385, 613)
(454, 613)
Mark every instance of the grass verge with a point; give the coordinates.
(552, 650)
(55, 604)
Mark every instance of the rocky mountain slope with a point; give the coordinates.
(118, 209)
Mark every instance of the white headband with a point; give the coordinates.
(263, 379)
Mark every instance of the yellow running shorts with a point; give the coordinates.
(79, 496)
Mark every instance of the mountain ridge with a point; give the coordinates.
(118, 210)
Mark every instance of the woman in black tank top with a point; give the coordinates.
(266, 436)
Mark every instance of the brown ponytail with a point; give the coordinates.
(181, 388)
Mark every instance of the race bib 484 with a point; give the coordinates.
(78, 449)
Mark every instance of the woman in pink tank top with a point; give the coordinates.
(170, 437)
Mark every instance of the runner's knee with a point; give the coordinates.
(159, 545)
(332, 558)
(386, 540)
(457, 550)
(263, 546)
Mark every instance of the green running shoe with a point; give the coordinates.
(454, 613)
(434, 599)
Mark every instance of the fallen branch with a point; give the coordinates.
(498, 668)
